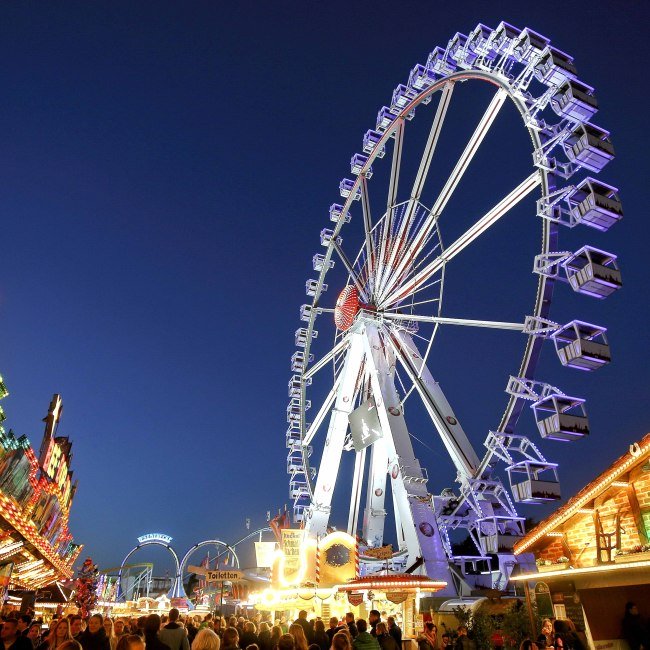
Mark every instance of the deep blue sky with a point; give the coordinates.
(166, 169)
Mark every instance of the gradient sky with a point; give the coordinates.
(166, 169)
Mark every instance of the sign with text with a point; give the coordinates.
(155, 537)
(223, 576)
(381, 552)
(292, 540)
(543, 600)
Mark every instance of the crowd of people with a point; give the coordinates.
(209, 632)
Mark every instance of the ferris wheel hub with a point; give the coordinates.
(347, 307)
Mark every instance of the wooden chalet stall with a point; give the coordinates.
(593, 553)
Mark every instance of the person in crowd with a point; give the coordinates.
(24, 621)
(173, 634)
(320, 638)
(558, 642)
(633, 628)
(342, 641)
(463, 642)
(351, 625)
(428, 638)
(192, 630)
(446, 642)
(374, 618)
(118, 628)
(206, 639)
(276, 633)
(59, 633)
(286, 642)
(264, 637)
(70, 644)
(395, 631)
(364, 640)
(248, 636)
(11, 637)
(386, 641)
(304, 624)
(334, 627)
(109, 628)
(130, 642)
(298, 633)
(206, 622)
(566, 629)
(527, 644)
(94, 637)
(541, 643)
(230, 639)
(151, 630)
(76, 626)
(547, 631)
(34, 634)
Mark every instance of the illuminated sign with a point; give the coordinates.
(155, 537)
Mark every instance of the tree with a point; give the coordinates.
(516, 625)
(86, 587)
(480, 627)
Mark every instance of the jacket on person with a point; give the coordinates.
(175, 636)
(365, 641)
(152, 642)
(396, 632)
(387, 642)
(94, 640)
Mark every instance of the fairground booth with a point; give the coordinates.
(593, 553)
(322, 578)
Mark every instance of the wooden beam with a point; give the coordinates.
(636, 513)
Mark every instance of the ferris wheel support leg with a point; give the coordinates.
(375, 514)
(319, 511)
(444, 419)
(409, 485)
(357, 485)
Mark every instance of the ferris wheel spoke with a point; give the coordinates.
(326, 358)
(415, 249)
(367, 226)
(481, 226)
(396, 164)
(420, 178)
(322, 412)
(517, 327)
(350, 269)
(387, 223)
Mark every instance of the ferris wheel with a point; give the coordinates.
(364, 356)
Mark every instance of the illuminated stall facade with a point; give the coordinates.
(322, 577)
(36, 493)
(593, 553)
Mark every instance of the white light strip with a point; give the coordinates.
(603, 568)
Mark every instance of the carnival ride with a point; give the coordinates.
(136, 578)
(390, 309)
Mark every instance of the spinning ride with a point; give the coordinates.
(390, 309)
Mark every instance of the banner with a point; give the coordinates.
(264, 552)
(292, 540)
(381, 552)
(396, 597)
(355, 598)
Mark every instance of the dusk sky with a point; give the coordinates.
(166, 170)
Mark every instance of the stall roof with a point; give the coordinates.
(637, 453)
